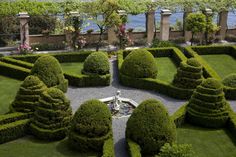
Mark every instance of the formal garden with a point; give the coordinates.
(68, 91)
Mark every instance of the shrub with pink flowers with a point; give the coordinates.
(24, 49)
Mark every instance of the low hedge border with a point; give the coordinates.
(133, 148)
(231, 125)
(179, 116)
(155, 84)
(18, 67)
(196, 51)
(12, 117)
(108, 148)
(14, 130)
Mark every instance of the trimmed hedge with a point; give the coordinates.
(96, 63)
(14, 130)
(90, 127)
(230, 80)
(189, 74)
(179, 117)
(196, 51)
(134, 149)
(13, 71)
(49, 70)
(231, 125)
(108, 148)
(155, 84)
(52, 115)
(139, 63)
(150, 120)
(12, 117)
(20, 63)
(28, 95)
(207, 106)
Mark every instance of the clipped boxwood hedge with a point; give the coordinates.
(90, 127)
(155, 84)
(207, 106)
(52, 115)
(150, 120)
(196, 51)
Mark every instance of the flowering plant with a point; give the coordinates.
(81, 42)
(124, 38)
(69, 29)
(24, 49)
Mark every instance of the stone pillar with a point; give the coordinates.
(165, 24)
(112, 38)
(223, 17)
(24, 28)
(187, 34)
(150, 25)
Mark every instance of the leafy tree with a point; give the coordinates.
(195, 22)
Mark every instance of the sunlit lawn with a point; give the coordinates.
(73, 67)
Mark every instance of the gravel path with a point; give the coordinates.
(79, 95)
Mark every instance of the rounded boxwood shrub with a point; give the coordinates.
(230, 80)
(28, 95)
(189, 74)
(52, 115)
(207, 106)
(49, 70)
(97, 63)
(151, 127)
(139, 63)
(90, 126)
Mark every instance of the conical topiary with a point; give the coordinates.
(151, 127)
(52, 115)
(207, 106)
(97, 63)
(139, 64)
(90, 126)
(48, 69)
(189, 74)
(28, 95)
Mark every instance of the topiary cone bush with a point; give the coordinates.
(28, 95)
(207, 107)
(48, 69)
(90, 126)
(52, 115)
(151, 127)
(96, 63)
(139, 63)
(189, 74)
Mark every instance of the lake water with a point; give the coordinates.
(138, 21)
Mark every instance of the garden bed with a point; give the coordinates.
(218, 62)
(72, 62)
(168, 60)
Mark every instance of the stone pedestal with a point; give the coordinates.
(165, 24)
(223, 16)
(112, 38)
(150, 26)
(24, 28)
(187, 34)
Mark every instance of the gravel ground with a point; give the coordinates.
(79, 95)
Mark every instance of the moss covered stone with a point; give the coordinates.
(28, 95)
(140, 64)
(189, 74)
(52, 115)
(207, 106)
(151, 127)
(90, 126)
(49, 70)
(230, 81)
(97, 63)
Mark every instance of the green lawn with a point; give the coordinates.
(207, 142)
(8, 90)
(223, 64)
(166, 69)
(73, 67)
(31, 147)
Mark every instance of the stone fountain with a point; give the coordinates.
(119, 106)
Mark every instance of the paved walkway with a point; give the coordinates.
(79, 95)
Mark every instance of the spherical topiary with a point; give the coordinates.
(97, 63)
(151, 127)
(207, 106)
(189, 74)
(230, 80)
(28, 95)
(90, 126)
(48, 69)
(52, 115)
(139, 64)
